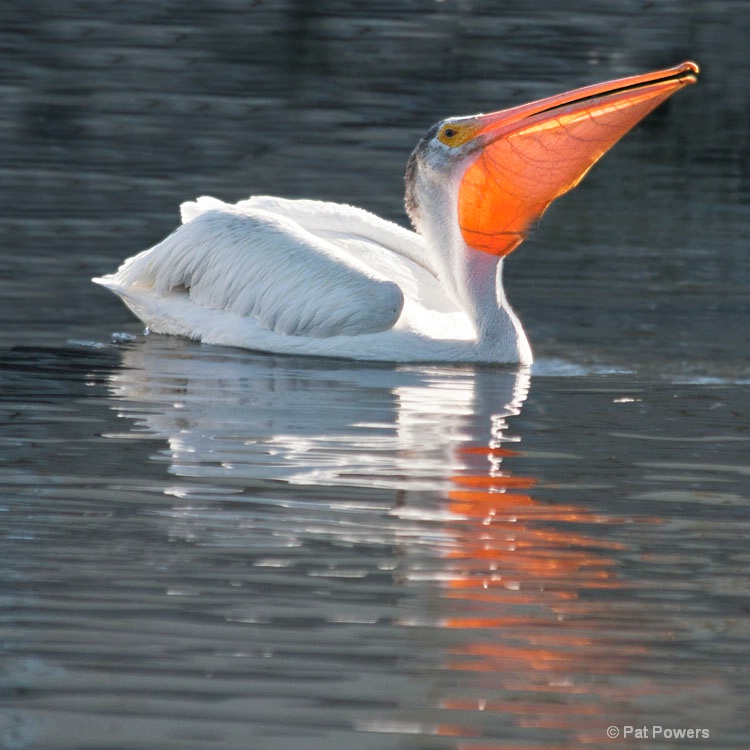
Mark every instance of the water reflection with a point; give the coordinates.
(392, 503)
(253, 420)
(519, 570)
(462, 600)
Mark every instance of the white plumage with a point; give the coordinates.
(283, 275)
(251, 261)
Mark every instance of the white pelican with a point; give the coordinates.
(317, 278)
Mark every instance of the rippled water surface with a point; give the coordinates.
(210, 548)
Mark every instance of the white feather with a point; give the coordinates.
(308, 277)
(264, 265)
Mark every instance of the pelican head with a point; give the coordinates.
(436, 167)
(491, 176)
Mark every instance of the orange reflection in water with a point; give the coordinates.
(518, 568)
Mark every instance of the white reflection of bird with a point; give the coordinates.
(316, 278)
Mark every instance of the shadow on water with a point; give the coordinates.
(271, 549)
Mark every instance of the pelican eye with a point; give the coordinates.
(449, 135)
(454, 135)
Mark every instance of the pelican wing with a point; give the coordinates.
(258, 261)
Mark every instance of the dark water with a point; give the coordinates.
(210, 548)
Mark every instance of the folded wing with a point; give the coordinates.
(255, 261)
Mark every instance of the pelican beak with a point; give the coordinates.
(530, 155)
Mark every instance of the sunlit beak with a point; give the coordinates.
(530, 155)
